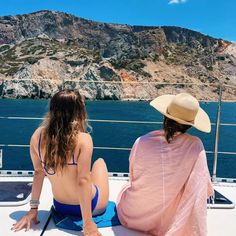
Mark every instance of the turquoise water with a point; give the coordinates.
(14, 131)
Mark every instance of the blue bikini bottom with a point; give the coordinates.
(74, 210)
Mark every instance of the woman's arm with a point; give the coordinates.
(38, 170)
(85, 184)
(36, 188)
(131, 159)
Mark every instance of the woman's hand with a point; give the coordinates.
(25, 221)
(90, 229)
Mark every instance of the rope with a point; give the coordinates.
(102, 121)
(20, 118)
(46, 224)
(106, 148)
(99, 148)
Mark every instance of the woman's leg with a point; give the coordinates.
(99, 176)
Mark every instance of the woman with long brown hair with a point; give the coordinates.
(62, 150)
(169, 178)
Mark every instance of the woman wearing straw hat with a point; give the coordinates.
(169, 178)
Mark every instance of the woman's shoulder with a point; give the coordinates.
(84, 135)
(159, 135)
(36, 134)
(84, 138)
(149, 138)
(156, 134)
(192, 137)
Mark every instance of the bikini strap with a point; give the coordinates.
(39, 144)
(73, 160)
(43, 163)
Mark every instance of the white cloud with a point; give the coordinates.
(176, 1)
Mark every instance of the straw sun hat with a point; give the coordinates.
(184, 109)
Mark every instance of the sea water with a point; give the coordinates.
(19, 118)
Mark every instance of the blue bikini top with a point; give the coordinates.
(51, 172)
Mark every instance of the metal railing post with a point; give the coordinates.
(0, 158)
(217, 135)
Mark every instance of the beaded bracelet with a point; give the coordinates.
(34, 202)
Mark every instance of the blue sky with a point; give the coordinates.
(216, 18)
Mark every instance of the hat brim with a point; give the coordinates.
(201, 121)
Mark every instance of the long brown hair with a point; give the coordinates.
(171, 127)
(65, 119)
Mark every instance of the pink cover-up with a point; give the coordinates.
(168, 188)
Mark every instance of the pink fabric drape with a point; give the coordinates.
(168, 188)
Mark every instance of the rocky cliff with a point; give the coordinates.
(44, 51)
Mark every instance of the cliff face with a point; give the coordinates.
(50, 50)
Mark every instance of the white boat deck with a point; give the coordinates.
(220, 221)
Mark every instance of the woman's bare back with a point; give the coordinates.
(64, 182)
